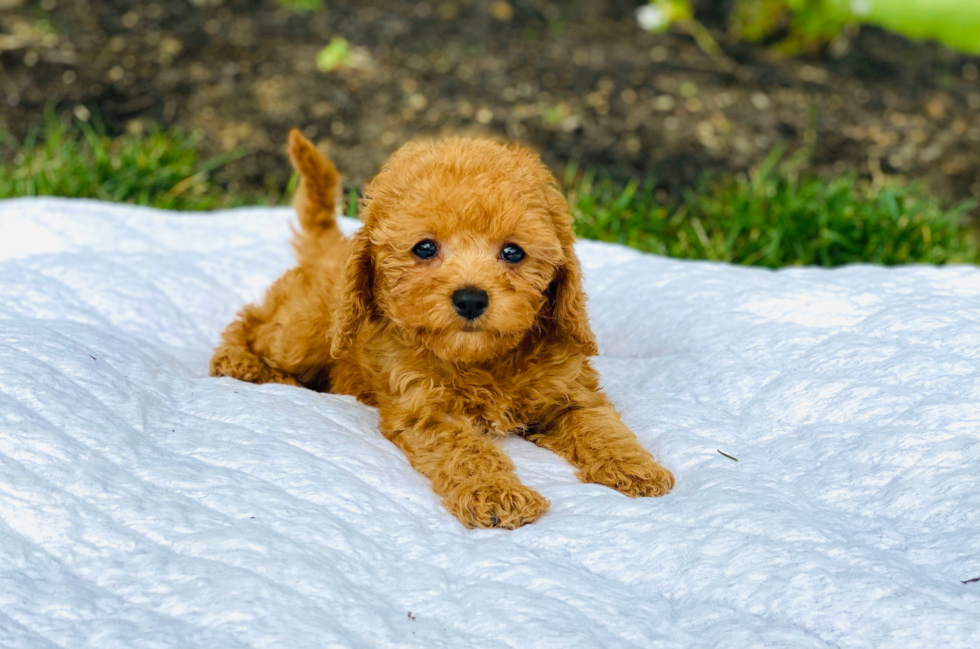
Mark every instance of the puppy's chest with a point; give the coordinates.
(497, 407)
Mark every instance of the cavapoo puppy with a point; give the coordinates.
(457, 310)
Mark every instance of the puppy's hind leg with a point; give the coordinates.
(234, 356)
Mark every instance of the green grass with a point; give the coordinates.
(157, 168)
(778, 218)
(775, 218)
(301, 6)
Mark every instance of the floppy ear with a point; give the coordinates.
(565, 291)
(354, 293)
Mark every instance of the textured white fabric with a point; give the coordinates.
(145, 504)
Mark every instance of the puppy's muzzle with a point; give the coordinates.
(470, 302)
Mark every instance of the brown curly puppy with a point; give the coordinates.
(457, 309)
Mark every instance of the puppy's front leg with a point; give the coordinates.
(605, 451)
(474, 478)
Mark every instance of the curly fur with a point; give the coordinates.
(363, 316)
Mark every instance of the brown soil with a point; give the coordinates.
(578, 80)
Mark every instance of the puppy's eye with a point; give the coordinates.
(511, 253)
(425, 249)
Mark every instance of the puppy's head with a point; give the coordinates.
(466, 246)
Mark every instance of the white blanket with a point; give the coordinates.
(145, 504)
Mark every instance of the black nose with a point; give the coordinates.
(470, 302)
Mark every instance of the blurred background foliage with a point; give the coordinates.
(807, 25)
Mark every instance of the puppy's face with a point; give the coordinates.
(462, 264)
(466, 246)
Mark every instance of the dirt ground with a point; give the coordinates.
(578, 80)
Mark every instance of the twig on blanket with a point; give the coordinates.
(970, 581)
(727, 455)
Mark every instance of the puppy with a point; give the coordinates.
(457, 310)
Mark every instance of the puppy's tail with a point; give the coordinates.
(319, 184)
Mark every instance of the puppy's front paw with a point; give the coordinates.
(492, 501)
(635, 477)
